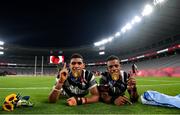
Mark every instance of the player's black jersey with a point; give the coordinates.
(134, 68)
(116, 88)
(80, 86)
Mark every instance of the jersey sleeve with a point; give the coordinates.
(92, 81)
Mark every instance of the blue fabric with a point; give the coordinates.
(160, 99)
(26, 98)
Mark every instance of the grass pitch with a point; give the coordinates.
(38, 88)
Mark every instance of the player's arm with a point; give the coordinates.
(94, 96)
(54, 94)
(74, 101)
(94, 93)
(132, 89)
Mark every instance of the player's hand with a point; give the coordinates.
(121, 100)
(131, 83)
(63, 74)
(71, 101)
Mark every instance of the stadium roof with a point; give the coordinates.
(30, 28)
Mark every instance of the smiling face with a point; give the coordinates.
(113, 67)
(76, 66)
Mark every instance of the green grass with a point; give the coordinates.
(39, 97)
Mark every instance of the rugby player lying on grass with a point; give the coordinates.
(75, 84)
(115, 82)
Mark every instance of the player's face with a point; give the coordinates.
(76, 66)
(113, 67)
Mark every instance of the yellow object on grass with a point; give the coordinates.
(11, 98)
(9, 102)
(16, 100)
(8, 107)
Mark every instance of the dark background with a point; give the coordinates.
(40, 28)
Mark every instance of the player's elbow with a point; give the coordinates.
(96, 98)
(52, 100)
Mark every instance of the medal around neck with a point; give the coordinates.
(76, 73)
(115, 76)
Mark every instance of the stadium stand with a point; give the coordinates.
(163, 66)
(157, 63)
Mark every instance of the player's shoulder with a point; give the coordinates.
(123, 72)
(105, 75)
(87, 74)
(124, 75)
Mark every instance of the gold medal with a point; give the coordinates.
(115, 76)
(76, 74)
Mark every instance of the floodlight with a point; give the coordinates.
(97, 43)
(123, 30)
(104, 41)
(133, 21)
(137, 19)
(1, 53)
(117, 34)
(110, 39)
(128, 26)
(1, 43)
(1, 48)
(101, 53)
(147, 10)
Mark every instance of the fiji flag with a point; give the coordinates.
(159, 99)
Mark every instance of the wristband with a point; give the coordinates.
(78, 100)
(60, 81)
(113, 98)
(85, 100)
(134, 89)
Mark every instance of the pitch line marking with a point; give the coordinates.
(158, 80)
(160, 84)
(27, 88)
(34, 88)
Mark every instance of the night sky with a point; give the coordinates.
(66, 23)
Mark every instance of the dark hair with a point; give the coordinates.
(76, 55)
(112, 57)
